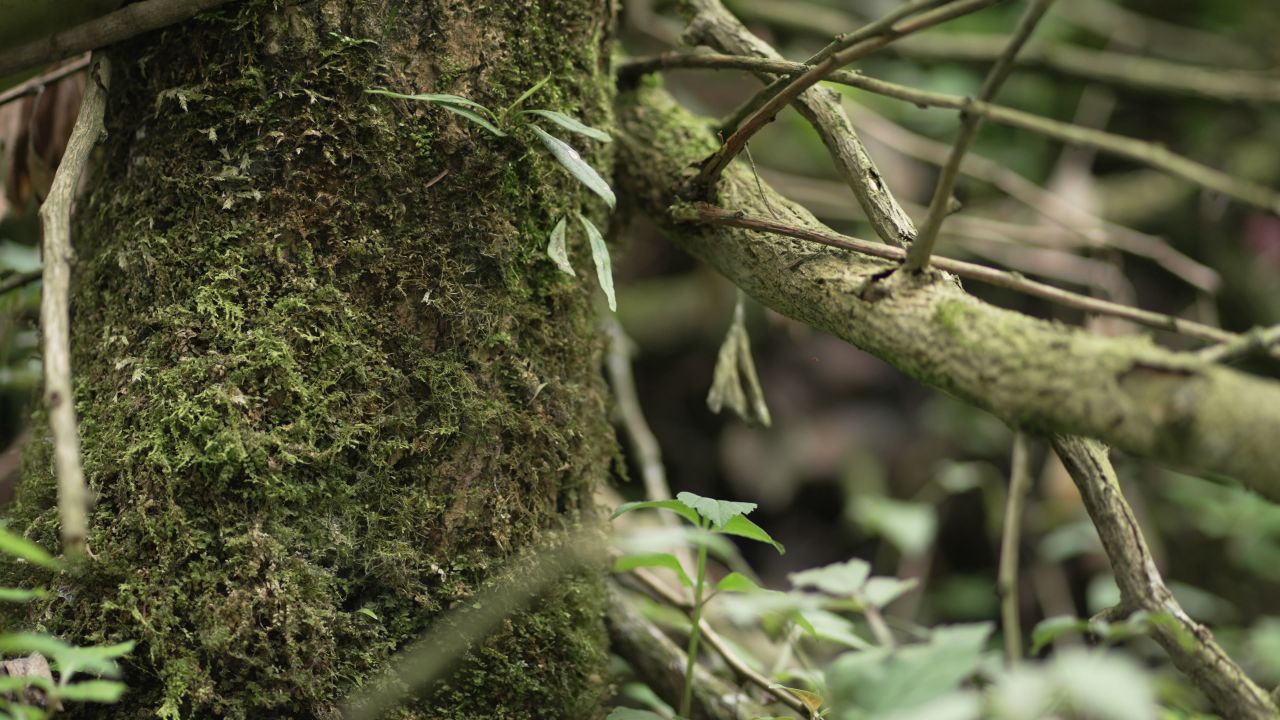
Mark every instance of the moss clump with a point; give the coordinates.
(311, 384)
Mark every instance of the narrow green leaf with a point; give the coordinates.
(557, 251)
(571, 124)
(600, 254)
(673, 505)
(475, 118)
(435, 99)
(18, 595)
(665, 560)
(368, 613)
(737, 582)
(1050, 629)
(27, 643)
(811, 700)
(742, 527)
(573, 162)
(13, 544)
(99, 691)
(718, 512)
(527, 94)
(632, 714)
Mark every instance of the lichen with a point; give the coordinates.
(310, 381)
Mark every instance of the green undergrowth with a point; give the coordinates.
(321, 397)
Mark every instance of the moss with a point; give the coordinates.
(310, 383)
(952, 315)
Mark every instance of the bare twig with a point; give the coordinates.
(1189, 644)
(1256, 340)
(822, 108)
(922, 248)
(701, 212)
(648, 453)
(1139, 151)
(19, 280)
(127, 22)
(37, 83)
(1007, 580)
(55, 313)
(714, 165)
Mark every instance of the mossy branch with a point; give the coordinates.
(1148, 401)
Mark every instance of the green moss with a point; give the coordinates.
(311, 384)
(952, 315)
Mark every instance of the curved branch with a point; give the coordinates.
(1034, 374)
(1191, 646)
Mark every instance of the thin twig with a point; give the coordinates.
(922, 248)
(711, 24)
(648, 453)
(55, 313)
(717, 643)
(1256, 340)
(1139, 151)
(19, 280)
(701, 212)
(1190, 646)
(1007, 580)
(713, 166)
(39, 82)
(127, 22)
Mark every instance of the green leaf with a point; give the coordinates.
(99, 691)
(842, 579)
(742, 527)
(737, 582)
(717, 512)
(1103, 686)
(454, 104)
(99, 660)
(1050, 629)
(673, 505)
(881, 591)
(573, 162)
(527, 94)
(475, 118)
(666, 560)
(27, 643)
(882, 680)
(20, 547)
(632, 714)
(368, 613)
(911, 527)
(18, 595)
(557, 251)
(571, 124)
(811, 700)
(600, 254)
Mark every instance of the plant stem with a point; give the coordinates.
(695, 631)
(1007, 583)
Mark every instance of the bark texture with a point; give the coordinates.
(312, 383)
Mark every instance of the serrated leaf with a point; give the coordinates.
(664, 560)
(600, 254)
(842, 579)
(99, 691)
(571, 124)
(556, 249)
(13, 544)
(737, 582)
(673, 505)
(742, 527)
(717, 512)
(880, 591)
(573, 162)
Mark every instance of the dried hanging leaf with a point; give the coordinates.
(735, 383)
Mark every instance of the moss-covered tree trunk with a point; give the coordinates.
(323, 364)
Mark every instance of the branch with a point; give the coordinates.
(1034, 374)
(1010, 538)
(55, 311)
(647, 451)
(711, 24)
(715, 164)
(922, 248)
(127, 22)
(1139, 151)
(19, 280)
(38, 83)
(1191, 645)
(1256, 340)
(1013, 281)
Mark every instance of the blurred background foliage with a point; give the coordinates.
(862, 462)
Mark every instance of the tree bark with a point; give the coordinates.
(313, 383)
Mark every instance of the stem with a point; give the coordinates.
(686, 701)
(1007, 582)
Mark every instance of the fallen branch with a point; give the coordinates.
(55, 311)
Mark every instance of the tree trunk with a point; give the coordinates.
(323, 364)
